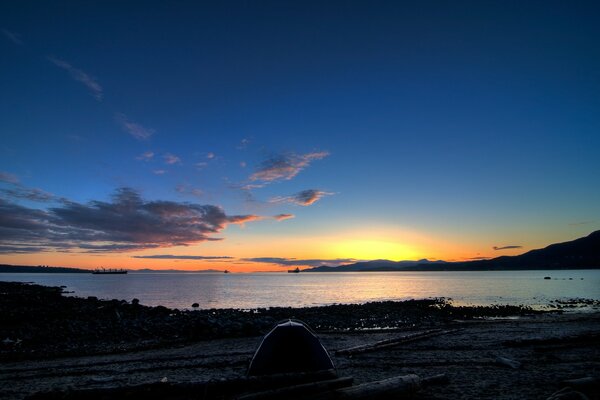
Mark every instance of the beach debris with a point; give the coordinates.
(382, 344)
(508, 362)
(164, 379)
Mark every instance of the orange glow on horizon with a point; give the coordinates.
(376, 243)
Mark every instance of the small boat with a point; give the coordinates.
(294, 271)
(226, 271)
(106, 271)
(290, 347)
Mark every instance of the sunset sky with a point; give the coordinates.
(261, 135)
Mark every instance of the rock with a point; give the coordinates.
(195, 305)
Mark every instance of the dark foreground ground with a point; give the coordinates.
(52, 342)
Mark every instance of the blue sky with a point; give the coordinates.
(474, 123)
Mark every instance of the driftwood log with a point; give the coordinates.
(303, 391)
(397, 387)
(213, 389)
(382, 344)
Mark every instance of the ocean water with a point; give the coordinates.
(218, 290)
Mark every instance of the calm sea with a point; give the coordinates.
(180, 290)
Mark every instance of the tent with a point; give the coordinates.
(289, 347)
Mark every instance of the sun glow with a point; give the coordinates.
(375, 249)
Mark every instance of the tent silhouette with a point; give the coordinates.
(289, 347)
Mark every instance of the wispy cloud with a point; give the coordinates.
(159, 172)
(188, 190)
(13, 37)
(242, 219)
(507, 247)
(210, 155)
(147, 156)
(183, 257)
(243, 144)
(581, 223)
(171, 159)
(134, 129)
(125, 223)
(80, 76)
(300, 262)
(21, 192)
(284, 166)
(303, 198)
(283, 217)
(8, 177)
(243, 164)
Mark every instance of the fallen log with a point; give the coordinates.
(440, 379)
(382, 344)
(299, 391)
(213, 389)
(507, 362)
(396, 387)
(581, 339)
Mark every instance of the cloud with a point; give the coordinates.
(210, 155)
(126, 222)
(187, 190)
(171, 159)
(177, 257)
(147, 156)
(79, 76)
(243, 144)
(581, 223)
(296, 262)
(21, 192)
(134, 129)
(159, 172)
(303, 198)
(242, 219)
(243, 164)
(201, 165)
(283, 217)
(284, 166)
(507, 247)
(8, 178)
(13, 37)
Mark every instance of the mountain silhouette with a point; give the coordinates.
(582, 253)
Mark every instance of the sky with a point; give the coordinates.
(264, 135)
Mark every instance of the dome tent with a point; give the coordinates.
(289, 347)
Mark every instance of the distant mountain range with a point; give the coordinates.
(582, 253)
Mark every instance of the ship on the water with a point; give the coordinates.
(104, 271)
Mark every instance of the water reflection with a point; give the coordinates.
(308, 289)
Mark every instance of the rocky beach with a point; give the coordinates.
(57, 346)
